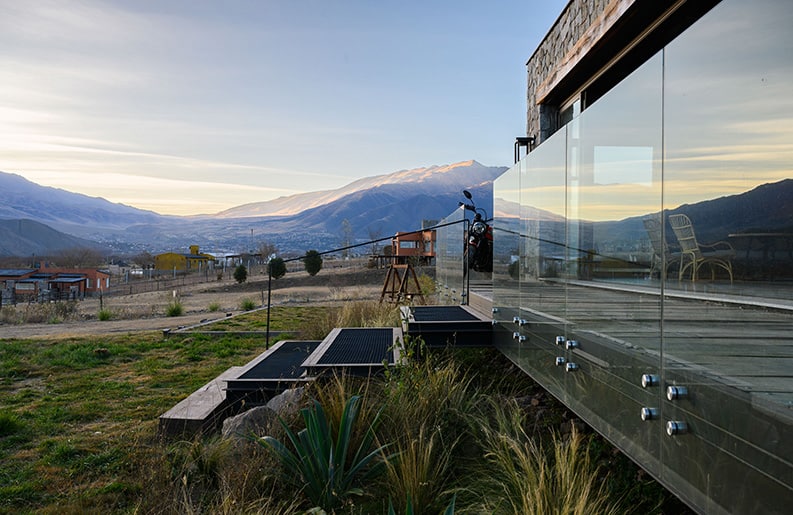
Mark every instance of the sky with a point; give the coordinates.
(195, 106)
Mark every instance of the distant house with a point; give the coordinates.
(192, 261)
(82, 280)
(420, 245)
(9, 275)
(53, 282)
(16, 282)
(26, 290)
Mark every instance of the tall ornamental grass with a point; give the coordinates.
(525, 475)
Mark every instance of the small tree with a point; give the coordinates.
(144, 260)
(346, 237)
(267, 249)
(277, 268)
(79, 257)
(374, 234)
(240, 274)
(313, 262)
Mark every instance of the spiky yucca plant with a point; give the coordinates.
(319, 458)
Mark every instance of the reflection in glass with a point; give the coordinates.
(728, 199)
(729, 151)
(449, 262)
(656, 230)
(542, 193)
(615, 181)
(506, 242)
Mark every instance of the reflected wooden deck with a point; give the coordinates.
(741, 342)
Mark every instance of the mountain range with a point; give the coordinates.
(38, 220)
(372, 207)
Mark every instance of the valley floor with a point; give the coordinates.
(207, 301)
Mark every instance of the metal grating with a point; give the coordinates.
(442, 314)
(284, 362)
(360, 346)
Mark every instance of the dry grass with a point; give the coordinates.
(421, 470)
(34, 313)
(533, 478)
(367, 314)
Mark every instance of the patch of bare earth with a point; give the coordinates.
(206, 301)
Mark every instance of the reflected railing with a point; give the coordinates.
(450, 258)
(509, 258)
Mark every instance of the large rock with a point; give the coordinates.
(286, 401)
(253, 422)
(256, 422)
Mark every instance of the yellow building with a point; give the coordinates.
(192, 261)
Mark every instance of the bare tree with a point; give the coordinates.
(374, 233)
(79, 257)
(267, 250)
(144, 260)
(346, 236)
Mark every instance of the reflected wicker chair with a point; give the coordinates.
(662, 256)
(695, 254)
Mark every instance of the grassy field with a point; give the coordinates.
(78, 430)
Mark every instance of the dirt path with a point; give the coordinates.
(147, 311)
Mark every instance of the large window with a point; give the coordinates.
(656, 235)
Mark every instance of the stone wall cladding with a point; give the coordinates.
(568, 29)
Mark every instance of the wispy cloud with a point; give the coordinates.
(277, 96)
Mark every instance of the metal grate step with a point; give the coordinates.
(356, 349)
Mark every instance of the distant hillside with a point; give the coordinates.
(63, 210)
(379, 205)
(375, 207)
(401, 185)
(26, 237)
(765, 208)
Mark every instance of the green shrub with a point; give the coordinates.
(33, 313)
(247, 304)
(410, 510)
(240, 274)
(421, 472)
(426, 284)
(201, 462)
(8, 315)
(276, 267)
(313, 262)
(368, 314)
(428, 406)
(174, 309)
(214, 306)
(105, 315)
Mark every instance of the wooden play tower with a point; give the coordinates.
(399, 283)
